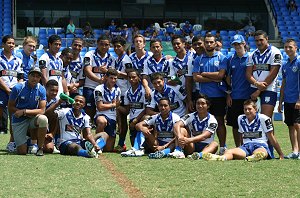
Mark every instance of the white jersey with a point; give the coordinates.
(182, 68)
(54, 68)
(164, 128)
(9, 69)
(262, 64)
(197, 126)
(138, 63)
(176, 95)
(256, 130)
(121, 64)
(136, 100)
(71, 126)
(92, 58)
(76, 70)
(102, 93)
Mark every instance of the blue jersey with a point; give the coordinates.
(164, 128)
(291, 74)
(26, 97)
(137, 63)
(28, 62)
(237, 72)
(214, 63)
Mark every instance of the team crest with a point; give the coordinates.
(294, 69)
(217, 63)
(37, 98)
(267, 99)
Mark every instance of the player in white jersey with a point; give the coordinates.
(182, 67)
(262, 69)
(10, 71)
(155, 63)
(122, 64)
(134, 102)
(176, 95)
(96, 64)
(107, 99)
(72, 122)
(255, 129)
(51, 65)
(195, 132)
(67, 56)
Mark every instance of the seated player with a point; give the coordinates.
(107, 99)
(195, 132)
(158, 132)
(176, 95)
(72, 122)
(256, 129)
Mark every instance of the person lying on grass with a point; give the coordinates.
(255, 129)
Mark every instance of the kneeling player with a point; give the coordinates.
(73, 122)
(195, 132)
(256, 129)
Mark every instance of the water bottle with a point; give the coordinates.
(176, 79)
(66, 98)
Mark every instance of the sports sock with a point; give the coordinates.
(178, 148)
(101, 143)
(166, 151)
(121, 141)
(83, 153)
(200, 155)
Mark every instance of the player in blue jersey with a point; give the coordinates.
(290, 95)
(11, 73)
(27, 55)
(51, 65)
(27, 103)
(107, 99)
(209, 71)
(158, 130)
(255, 129)
(182, 67)
(122, 64)
(240, 86)
(195, 132)
(96, 64)
(176, 95)
(262, 69)
(156, 63)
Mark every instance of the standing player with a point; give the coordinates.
(240, 86)
(181, 67)
(195, 132)
(107, 99)
(209, 70)
(255, 129)
(96, 64)
(122, 63)
(10, 73)
(176, 96)
(289, 94)
(52, 66)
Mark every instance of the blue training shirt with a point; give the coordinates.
(290, 72)
(28, 62)
(210, 64)
(237, 70)
(26, 97)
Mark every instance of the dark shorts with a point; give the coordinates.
(3, 98)
(132, 132)
(249, 148)
(110, 128)
(63, 147)
(122, 101)
(218, 106)
(267, 97)
(233, 112)
(88, 93)
(199, 146)
(291, 115)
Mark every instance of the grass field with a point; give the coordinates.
(113, 176)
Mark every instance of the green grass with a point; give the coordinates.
(56, 175)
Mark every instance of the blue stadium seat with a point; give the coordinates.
(279, 23)
(291, 28)
(69, 36)
(293, 33)
(284, 33)
(92, 48)
(142, 32)
(297, 23)
(84, 49)
(196, 33)
(251, 38)
(226, 44)
(223, 33)
(289, 23)
(252, 44)
(44, 42)
(225, 38)
(60, 31)
(231, 33)
(203, 32)
(178, 32)
(51, 32)
(78, 31)
(98, 31)
(213, 32)
(69, 42)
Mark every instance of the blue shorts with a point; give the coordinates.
(88, 93)
(111, 126)
(63, 147)
(199, 146)
(3, 98)
(267, 97)
(249, 148)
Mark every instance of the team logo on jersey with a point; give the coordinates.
(128, 65)
(37, 98)
(277, 58)
(217, 63)
(267, 99)
(294, 69)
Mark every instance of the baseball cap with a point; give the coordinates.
(35, 69)
(237, 39)
(125, 25)
(187, 22)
